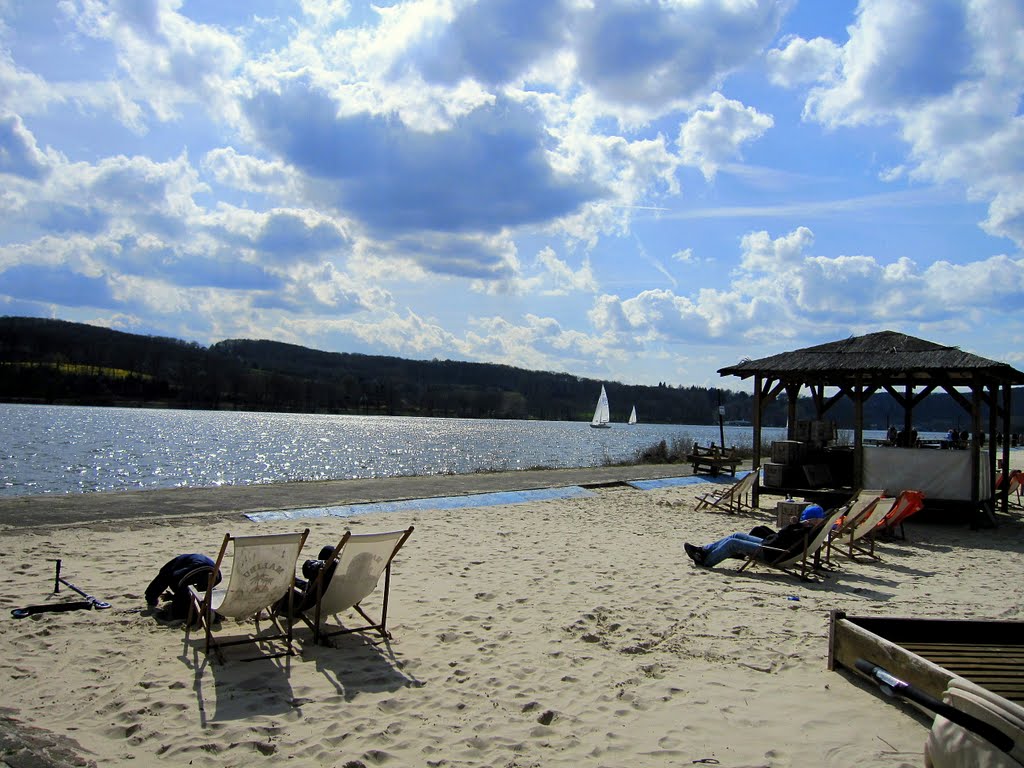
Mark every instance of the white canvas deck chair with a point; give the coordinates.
(858, 538)
(801, 563)
(349, 576)
(262, 572)
(857, 511)
(951, 746)
(733, 499)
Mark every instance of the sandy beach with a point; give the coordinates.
(556, 633)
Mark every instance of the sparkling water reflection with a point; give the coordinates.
(60, 449)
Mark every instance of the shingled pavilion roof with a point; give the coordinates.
(908, 369)
(882, 357)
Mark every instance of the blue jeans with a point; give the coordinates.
(740, 545)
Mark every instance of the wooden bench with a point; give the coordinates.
(714, 458)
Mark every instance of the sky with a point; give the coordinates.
(630, 190)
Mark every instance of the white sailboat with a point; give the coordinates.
(632, 416)
(601, 414)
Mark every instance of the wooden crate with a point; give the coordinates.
(781, 475)
(787, 452)
(786, 510)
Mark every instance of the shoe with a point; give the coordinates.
(696, 553)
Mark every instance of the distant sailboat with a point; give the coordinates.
(632, 416)
(601, 414)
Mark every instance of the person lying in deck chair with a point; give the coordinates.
(742, 545)
(177, 575)
(303, 600)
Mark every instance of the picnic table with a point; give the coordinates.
(714, 458)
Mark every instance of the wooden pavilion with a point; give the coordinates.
(909, 369)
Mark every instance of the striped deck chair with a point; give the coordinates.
(802, 563)
(855, 512)
(348, 577)
(733, 499)
(907, 503)
(1013, 488)
(262, 572)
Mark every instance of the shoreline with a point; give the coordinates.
(140, 506)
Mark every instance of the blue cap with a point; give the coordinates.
(813, 512)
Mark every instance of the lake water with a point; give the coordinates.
(67, 449)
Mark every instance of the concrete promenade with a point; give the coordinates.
(227, 501)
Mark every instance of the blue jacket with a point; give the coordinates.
(174, 571)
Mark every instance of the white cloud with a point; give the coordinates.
(762, 254)
(314, 289)
(551, 276)
(492, 41)
(324, 13)
(713, 136)
(660, 55)
(782, 291)
(538, 343)
(19, 155)
(409, 334)
(947, 74)
(169, 60)
(308, 167)
(249, 173)
(803, 61)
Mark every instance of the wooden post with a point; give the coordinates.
(755, 491)
(993, 412)
(792, 394)
(858, 437)
(908, 414)
(1007, 426)
(975, 449)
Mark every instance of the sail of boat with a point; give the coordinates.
(632, 416)
(601, 413)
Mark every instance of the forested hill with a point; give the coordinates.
(53, 361)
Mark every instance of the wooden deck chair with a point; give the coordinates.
(1013, 488)
(733, 499)
(907, 503)
(349, 576)
(860, 540)
(262, 572)
(862, 504)
(803, 562)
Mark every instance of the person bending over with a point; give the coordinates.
(784, 543)
(177, 575)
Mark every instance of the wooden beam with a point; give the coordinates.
(832, 401)
(772, 391)
(900, 400)
(916, 400)
(958, 397)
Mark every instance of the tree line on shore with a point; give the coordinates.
(59, 362)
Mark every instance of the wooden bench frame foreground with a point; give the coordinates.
(714, 458)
